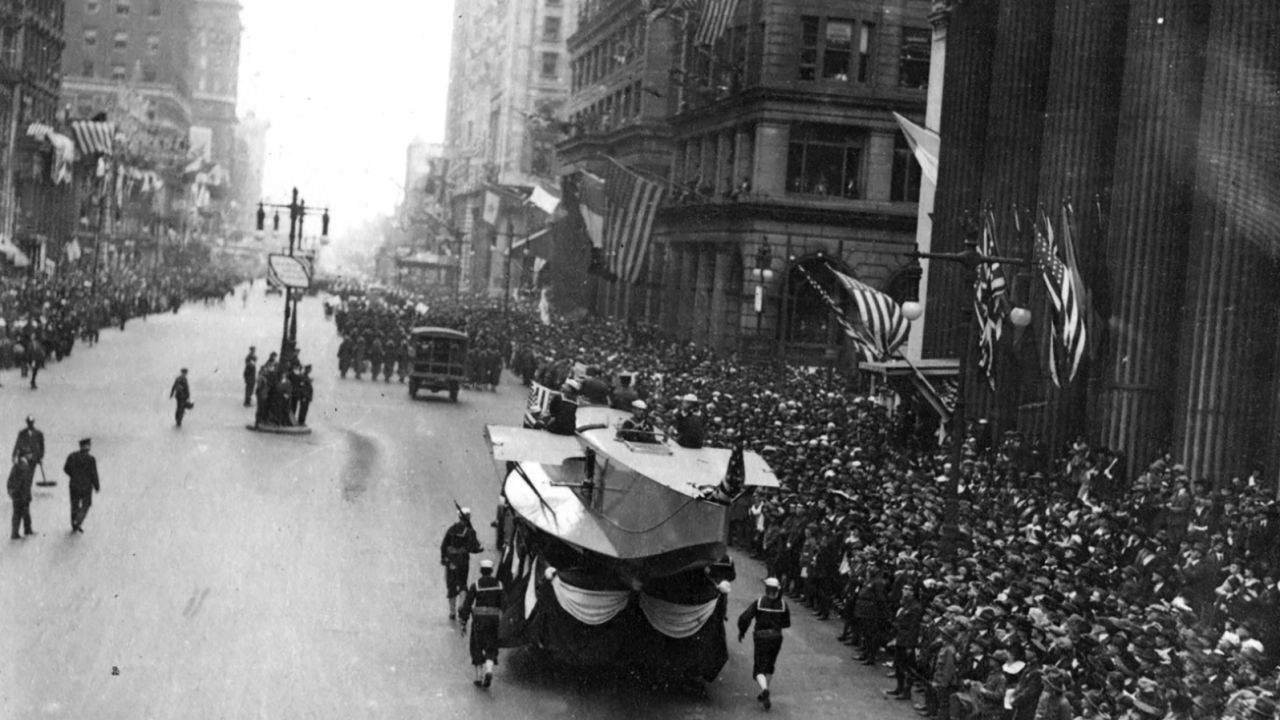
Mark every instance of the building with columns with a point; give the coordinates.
(781, 139)
(1158, 121)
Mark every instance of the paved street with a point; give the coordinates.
(229, 574)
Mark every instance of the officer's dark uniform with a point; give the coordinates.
(484, 601)
(250, 377)
(459, 543)
(181, 393)
(30, 443)
(771, 616)
(690, 431)
(82, 469)
(20, 477)
(564, 416)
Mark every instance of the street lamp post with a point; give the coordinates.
(969, 259)
(763, 273)
(297, 214)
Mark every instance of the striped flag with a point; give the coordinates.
(659, 8)
(991, 300)
(716, 16)
(880, 326)
(93, 137)
(633, 203)
(1066, 293)
(537, 404)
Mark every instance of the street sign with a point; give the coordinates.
(290, 271)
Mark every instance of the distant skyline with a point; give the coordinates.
(345, 92)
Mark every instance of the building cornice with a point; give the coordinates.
(852, 213)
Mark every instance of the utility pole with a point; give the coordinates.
(297, 214)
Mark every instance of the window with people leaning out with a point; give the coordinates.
(835, 49)
(825, 160)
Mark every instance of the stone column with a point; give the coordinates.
(1227, 369)
(724, 168)
(770, 176)
(688, 290)
(970, 41)
(744, 157)
(1077, 161)
(703, 275)
(1148, 225)
(879, 165)
(719, 300)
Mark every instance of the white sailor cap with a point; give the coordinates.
(639, 405)
(486, 564)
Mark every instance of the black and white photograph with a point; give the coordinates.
(621, 359)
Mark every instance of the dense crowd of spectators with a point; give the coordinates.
(1071, 592)
(42, 316)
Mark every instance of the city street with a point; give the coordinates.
(230, 574)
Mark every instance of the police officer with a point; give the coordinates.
(82, 469)
(20, 477)
(459, 544)
(771, 616)
(30, 443)
(250, 375)
(181, 393)
(484, 601)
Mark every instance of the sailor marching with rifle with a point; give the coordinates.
(484, 602)
(459, 544)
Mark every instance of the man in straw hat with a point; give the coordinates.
(771, 616)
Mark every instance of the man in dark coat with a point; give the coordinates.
(484, 601)
(595, 391)
(906, 629)
(346, 351)
(624, 395)
(30, 443)
(771, 616)
(20, 477)
(181, 394)
(82, 469)
(459, 544)
(303, 391)
(250, 375)
(691, 432)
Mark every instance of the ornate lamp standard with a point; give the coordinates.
(298, 212)
(969, 259)
(763, 274)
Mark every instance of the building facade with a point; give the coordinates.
(508, 82)
(248, 167)
(1157, 120)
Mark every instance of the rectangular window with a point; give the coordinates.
(550, 65)
(123, 7)
(838, 51)
(864, 50)
(825, 160)
(913, 59)
(117, 72)
(809, 47)
(121, 40)
(551, 29)
(87, 69)
(91, 7)
(153, 44)
(148, 74)
(906, 172)
(90, 37)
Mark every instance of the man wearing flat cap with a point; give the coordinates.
(771, 616)
(484, 601)
(82, 471)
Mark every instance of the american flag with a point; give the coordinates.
(880, 326)
(92, 136)
(1066, 292)
(716, 16)
(990, 302)
(659, 8)
(632, 204)
(537, 404)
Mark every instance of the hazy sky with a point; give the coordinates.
(346, 87)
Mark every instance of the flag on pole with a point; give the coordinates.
(537, 404)
(716, 16)
(990, 301)
(879, 328)
(633, 203)
(925, 145)
(1066, 293)
(592, 204)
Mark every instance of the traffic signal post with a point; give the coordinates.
(285, 266)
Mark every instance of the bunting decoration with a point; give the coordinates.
(991, 300)
(1066, 294)
(93, 137)
(633, 202)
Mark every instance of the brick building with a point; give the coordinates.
(780, 134)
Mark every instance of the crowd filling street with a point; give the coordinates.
(1074, 592)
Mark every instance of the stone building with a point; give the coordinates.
(1158, 120)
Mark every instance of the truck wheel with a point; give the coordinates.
(453, 392)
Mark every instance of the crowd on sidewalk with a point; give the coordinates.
(1072, 593)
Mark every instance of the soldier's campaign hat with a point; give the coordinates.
(486, 564)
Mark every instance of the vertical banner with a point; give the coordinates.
(492, 202)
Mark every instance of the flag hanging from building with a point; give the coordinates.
(716, 16)
(1066, 293)
(879, 327)
(658, 8)
(991, 299)
(92, 136)
(592, 205)
(925, 145)
(632, 204)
